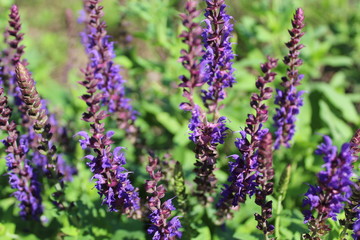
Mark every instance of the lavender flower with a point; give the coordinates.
(218, 54)
(243, 171)
(289, 99)
(101, 53)
(334, 187)
(161, 228)
(111, 177)
(21, 174)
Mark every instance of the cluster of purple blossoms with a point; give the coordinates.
(12, 57)
(30, 115)
(214, 67)
(206, 136)
(243, 171)
(100, 51)
(111, 177)
(190, 58)
(334, 187)
(217, 60)
(106, 164)
(42, 144)
(289, 99)
(161, 228)
(21, 174)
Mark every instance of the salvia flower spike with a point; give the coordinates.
(13, 56)
(190, 58)
(243, 171)
(101, 53)
(111, 177)
(21, 174)
(205, 134)
(333, 190)
(266, 187)
(14, 52)
(161, 227)
(35, 110)
(217, 60)
(289, 99)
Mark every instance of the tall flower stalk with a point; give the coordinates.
(14, 55)
(206, 134)
(217, 60)
(244, 176)
(266, 186)
(50, 160)
(21, 173)
(106, 164)
(289, 99)
(161, 227)
(333, 190)
(35, 110)
(100, 50)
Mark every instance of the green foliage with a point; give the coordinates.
(150, 66)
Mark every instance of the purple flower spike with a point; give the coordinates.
(217, 60)
(161, 228)
(205, 134)
(111, 177)
(266, 187)
(191, 57)
(289, 99)
(244, 170)
(21, 174)
(100, 51)
(333, 190)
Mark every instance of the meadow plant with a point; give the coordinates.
(22, 176)
(244, 170)
(333, 189)
(107, 165)
(160, 212)
(211, 67)
(168, 204)
(289, 99)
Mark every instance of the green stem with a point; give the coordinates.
(277, 219)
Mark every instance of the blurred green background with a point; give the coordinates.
(147, 47)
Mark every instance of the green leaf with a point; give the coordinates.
(123, 61)
(338, 128)
(338, 61)
(204, 233)
(70, 231)
(340, 101)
